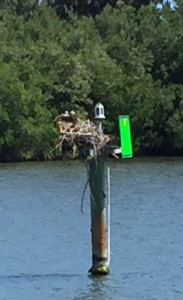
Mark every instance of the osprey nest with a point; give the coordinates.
(80, 136)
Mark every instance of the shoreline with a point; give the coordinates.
(120, 160)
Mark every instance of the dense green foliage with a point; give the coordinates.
(65, 7)
(131, 61)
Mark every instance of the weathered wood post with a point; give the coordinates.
(87, 138)
(98, 204)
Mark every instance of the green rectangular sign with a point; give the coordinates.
(125, 137)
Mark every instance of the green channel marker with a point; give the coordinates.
(125, 137)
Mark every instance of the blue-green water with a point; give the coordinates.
(45, 240)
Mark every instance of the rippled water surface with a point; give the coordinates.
(45, 248)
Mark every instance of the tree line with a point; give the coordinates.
(127, 56)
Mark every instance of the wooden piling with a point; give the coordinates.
(96, 172)
(92, 145)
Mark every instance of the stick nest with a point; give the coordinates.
(80, 135)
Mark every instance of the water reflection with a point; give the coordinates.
(97, 289)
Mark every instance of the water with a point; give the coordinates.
(45, 240)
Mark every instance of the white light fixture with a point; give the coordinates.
(99, 112)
